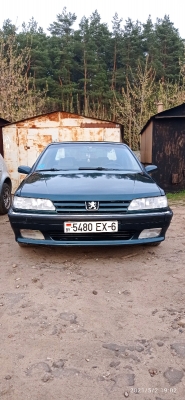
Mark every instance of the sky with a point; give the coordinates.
(45, 11)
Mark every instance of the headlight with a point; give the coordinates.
(28, 203)
(148, 203)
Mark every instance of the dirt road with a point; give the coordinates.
(93, 323)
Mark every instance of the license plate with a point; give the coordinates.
(91, 227)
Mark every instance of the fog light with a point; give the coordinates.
(31, 234)
(150, 233)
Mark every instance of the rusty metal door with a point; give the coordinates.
(37, 140)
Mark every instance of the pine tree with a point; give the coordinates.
(94, 37)
(132, 46)
(169, 47)
(149, 43)
(62, 56)
(33, 37)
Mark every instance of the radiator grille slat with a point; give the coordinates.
(80, 207)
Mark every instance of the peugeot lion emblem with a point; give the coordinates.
(92, 205)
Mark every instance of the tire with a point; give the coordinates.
(5, 198)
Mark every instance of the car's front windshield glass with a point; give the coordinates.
(87, 156)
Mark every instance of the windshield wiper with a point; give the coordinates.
(47, 169)
(94, 168)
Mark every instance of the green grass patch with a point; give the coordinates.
(176, 197)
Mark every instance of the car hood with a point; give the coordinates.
(85, 185)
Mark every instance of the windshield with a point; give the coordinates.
(79, 156)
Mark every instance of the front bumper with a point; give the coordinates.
(52, 227)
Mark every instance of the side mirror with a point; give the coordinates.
(23, 169)
(150, 168)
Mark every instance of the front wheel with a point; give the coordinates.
(5, 198)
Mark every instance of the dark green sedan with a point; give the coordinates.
(89, 193)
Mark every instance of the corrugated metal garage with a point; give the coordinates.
(24, 140)
(163, 144)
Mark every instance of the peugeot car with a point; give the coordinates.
(89, 193)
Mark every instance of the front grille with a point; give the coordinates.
(60, 236)
(70, 207)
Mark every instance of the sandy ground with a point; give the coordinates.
(93, 323)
